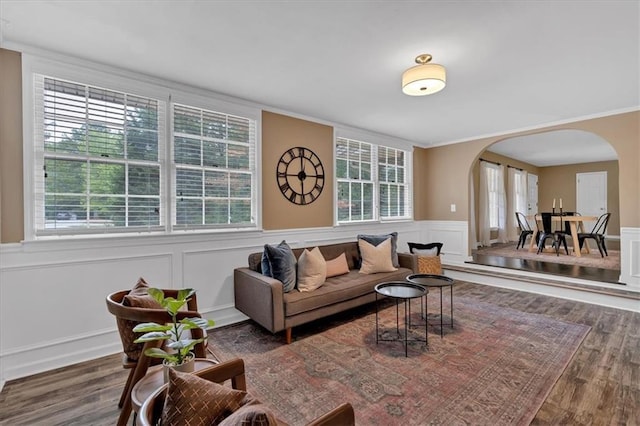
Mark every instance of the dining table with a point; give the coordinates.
(576, 224)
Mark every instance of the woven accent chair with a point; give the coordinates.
(233, 370)
(133, 358)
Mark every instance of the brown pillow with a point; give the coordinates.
(137, 298)
(192, 400)
(251, 415)
(337, 266)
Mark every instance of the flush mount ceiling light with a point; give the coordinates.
(424, 78)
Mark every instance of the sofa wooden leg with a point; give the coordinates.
(288, 335)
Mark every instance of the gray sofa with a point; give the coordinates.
(262, 298)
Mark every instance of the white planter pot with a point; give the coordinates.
(188, 366)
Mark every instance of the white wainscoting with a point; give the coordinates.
(630, 257)
(52, 293)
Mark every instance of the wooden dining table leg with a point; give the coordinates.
(574, 238)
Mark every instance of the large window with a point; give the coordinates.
(101, 155)
(213, 155)
(372, 182)
(101, 164)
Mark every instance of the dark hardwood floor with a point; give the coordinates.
(600, 386)
(557, 269)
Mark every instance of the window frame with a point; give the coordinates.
(376, 142)
(111, 78)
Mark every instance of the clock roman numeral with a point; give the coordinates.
(285, 187)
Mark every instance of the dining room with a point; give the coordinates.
(548, 203)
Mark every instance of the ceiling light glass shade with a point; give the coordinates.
(424, 79)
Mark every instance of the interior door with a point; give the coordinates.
(591, 195)
(532, 198)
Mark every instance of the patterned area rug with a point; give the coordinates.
(592, 259)
(495, 367)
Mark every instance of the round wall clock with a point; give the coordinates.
(300, 175)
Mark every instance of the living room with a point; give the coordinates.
(62, 280)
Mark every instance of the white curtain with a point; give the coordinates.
(492, 211)
(502, 206)
(472, 214)
(517, 200)
(484, 214)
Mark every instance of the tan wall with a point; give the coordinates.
(11, 198)
(279, 133)
(560, 182)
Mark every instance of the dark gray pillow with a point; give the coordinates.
(281, 264)
(377, 239)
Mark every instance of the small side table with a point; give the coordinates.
(155, 378)
(429, 280)
(401, 291)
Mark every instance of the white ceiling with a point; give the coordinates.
(510, 65)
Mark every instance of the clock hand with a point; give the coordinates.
(302, 162)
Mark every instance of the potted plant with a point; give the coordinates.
(179, 354)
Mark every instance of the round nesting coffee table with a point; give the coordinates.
(401, 291)
(429, 280)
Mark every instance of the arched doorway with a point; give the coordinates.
(555, 159)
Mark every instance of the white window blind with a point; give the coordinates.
(395, 194)
(215, 167)
(355, 173)
(373, 182)
(98, 159)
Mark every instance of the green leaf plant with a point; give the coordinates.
(180, 348)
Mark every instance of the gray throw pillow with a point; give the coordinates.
(281, 264)
(377, 239)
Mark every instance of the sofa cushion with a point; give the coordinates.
(193, 400)
(337, 266)
(281, 264)
(312, 270)
(376, 258)
(377, 239)
(339, 289)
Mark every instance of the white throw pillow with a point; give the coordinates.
(376, 258)
(312, 270)
(426, 252)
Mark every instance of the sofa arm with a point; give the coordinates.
(260, 298)
(408, 260)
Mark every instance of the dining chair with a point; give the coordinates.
(525, 229)
(597, 233)
(547, 232)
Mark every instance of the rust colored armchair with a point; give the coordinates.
(233, 370)
(134, 358)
